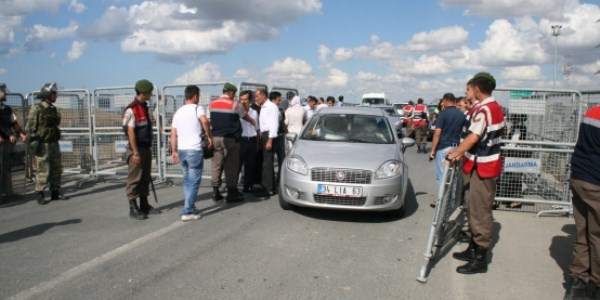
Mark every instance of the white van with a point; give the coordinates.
(374, 99)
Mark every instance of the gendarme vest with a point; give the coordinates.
(143, 124)
(484, 157)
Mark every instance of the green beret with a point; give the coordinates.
(488, 76)
(230, 87)
(144, 86)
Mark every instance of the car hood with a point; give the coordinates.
(319, 154)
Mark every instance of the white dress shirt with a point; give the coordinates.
(269, 118)
(249, 130)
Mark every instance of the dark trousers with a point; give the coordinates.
(248, 158)
(268, 169)
(585, 264)
(279, 144)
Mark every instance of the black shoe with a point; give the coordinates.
(478, 264)
(577, 290)
(146, 208)
(248, 190)
(466, 255)
(40, 199)
(233, 195)
(56, 195)
(216, 195)
(135, 212)
(463, 237)
(264, 195)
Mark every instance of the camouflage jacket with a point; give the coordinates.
(42, 123)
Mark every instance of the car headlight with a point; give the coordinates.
(297, 164)
(389, 169)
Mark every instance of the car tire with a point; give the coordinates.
(284, 205)
(398, 213)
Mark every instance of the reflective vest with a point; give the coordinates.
(419, 115)
(143, 125)
(585, 162)
(467, 124)
(408, 110)
(484, 157)
(225, 118)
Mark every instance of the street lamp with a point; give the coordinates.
(555, 33)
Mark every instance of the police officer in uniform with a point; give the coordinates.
(43, 136)
(9, 131)
(137, 126)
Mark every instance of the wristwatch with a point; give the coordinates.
(136, 153)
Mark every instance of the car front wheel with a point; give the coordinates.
(284, 205)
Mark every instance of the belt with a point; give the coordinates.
(248, 138)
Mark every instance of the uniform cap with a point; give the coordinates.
(144, 86)
(230, 87)
(487, 76)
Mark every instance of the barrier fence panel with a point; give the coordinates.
(173, 98)
(75, 126)
(14, 164)
(541, 132)
(109, 140)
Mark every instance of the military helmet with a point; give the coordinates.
(47, 90)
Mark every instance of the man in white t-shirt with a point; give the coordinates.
(186, 148)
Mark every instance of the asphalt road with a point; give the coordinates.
(88, 248)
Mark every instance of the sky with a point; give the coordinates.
(407, 49)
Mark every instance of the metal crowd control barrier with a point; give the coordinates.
(109, 141)
(74, 106)
(448, 217)
(173, 98)
(542, 128)
(14, 164)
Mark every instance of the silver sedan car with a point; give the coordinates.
(346, 158)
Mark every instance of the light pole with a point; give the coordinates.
(555, 33)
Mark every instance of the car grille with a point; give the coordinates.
(347, 201)
(349, 176)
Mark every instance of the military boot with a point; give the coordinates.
(146, 208)
(40, 198)
(216, 196)
(577, 290)
(56, 195)
(135, 212)
(595, 293)
(466, 255)
(478, 264)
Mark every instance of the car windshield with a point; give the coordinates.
(349, 128)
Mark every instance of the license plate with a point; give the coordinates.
(339, 190)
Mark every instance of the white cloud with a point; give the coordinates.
(203, 73)
(512, 8)
(288, 72)
(324, 55)
(438, 39)
(523, 73)
(76, 51)
(246, 75)
(505, 45)
(3, 71)
(77, 6)
(24, 7)
(342, 54)
(203, 26)
(8, 25)
(111, 26)
(336, 79)
(41, 34)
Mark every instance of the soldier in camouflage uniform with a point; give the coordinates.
(9, 131)
(42, 128)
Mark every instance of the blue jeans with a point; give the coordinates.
(191, 164)
(440, 156)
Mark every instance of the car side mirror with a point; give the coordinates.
(407, 142)
(291, 136)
